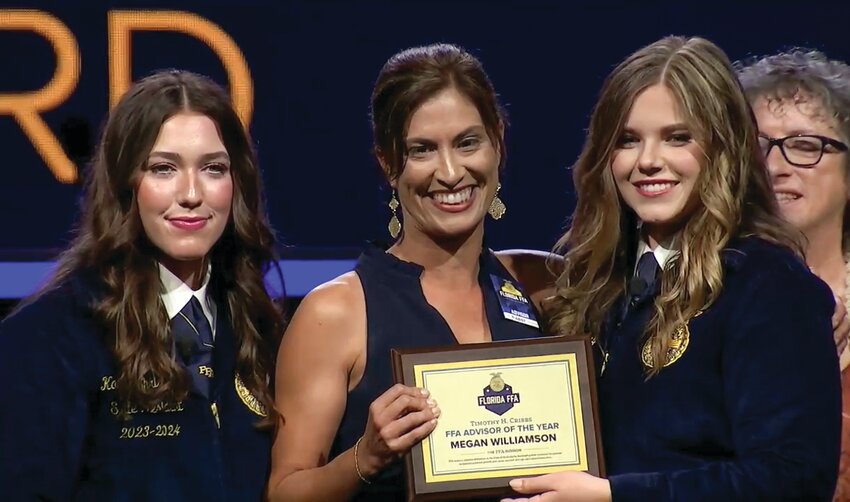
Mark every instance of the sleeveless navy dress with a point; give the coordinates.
(398, 316)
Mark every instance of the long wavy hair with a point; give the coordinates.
(111, 243)
(734, 191)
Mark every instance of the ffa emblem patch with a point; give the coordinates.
(253, 404)
(675, 348)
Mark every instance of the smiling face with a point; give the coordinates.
(185, 191)
(451, 172)
(657, 163)
(810, 198)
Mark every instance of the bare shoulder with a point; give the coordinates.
(334, 301)
(535, 270)
(330, 317)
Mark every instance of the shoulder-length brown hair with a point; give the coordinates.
(734, 190)
(111, 243)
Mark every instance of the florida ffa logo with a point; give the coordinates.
(515, 306)
(510, 291)
(498, 397)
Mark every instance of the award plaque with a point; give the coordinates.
(508, 409)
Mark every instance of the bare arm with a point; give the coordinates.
(324, 345)
(316, 355)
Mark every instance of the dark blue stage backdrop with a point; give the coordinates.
(302, 72)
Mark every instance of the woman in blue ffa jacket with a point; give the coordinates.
(438, 132)
(141, 372)
(718, 375)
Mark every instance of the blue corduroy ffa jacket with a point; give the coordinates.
(62, 438)
(751, 410)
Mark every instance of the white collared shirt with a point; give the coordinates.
(176, 294)
(662, 254)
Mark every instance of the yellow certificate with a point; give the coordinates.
(504, 417)
(509, 409)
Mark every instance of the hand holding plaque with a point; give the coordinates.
(565, 486)
(399, 418)
(508, 409)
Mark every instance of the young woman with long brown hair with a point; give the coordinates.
(718, 374)
(143, 369)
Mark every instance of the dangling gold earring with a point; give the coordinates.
(497, 207)
(394, 226)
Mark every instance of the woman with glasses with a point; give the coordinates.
(801, 101)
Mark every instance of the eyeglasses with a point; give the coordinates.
(803, 150)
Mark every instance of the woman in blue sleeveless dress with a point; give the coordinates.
(344, 426)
